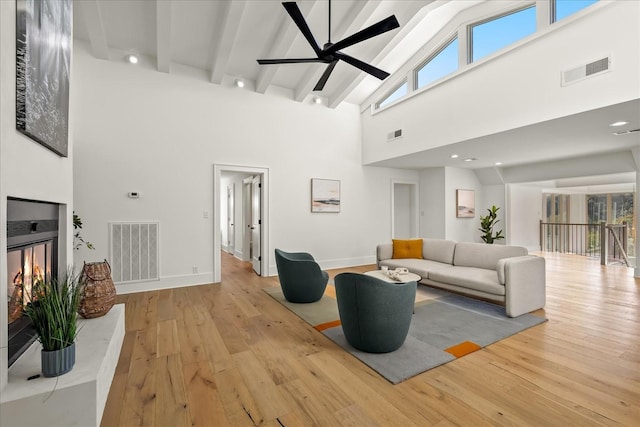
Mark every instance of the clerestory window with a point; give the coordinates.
(442, 63)
(490, 36)
(563, 8)
(396, 94)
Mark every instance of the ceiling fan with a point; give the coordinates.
(330, 52)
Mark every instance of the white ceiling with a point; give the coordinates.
(224, 38)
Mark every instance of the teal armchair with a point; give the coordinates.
(301, 278)
(375, 314)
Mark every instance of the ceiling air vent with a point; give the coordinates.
(587, 70)
(394, 135)
(626, 132)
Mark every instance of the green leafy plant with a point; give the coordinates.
(486, 226)
(54, 312)
(78, 241)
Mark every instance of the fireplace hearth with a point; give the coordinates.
(32, 243)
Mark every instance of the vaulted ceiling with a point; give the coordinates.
(224, 38)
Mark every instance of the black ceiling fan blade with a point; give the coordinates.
(325, 75)
(381, 27)
(367, 68)
(288, 61)
(296, 15)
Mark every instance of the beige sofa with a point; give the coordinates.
(494, 272)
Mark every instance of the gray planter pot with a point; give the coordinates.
(58, 362)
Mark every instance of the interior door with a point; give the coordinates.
(231, 213)
(256, 258)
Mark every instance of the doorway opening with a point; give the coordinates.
(404, 209)
(241, 221)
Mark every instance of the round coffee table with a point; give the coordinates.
(404, 278)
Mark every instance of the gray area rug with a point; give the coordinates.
(442, 321)
(438, 325)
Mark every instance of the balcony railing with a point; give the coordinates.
(609, 242)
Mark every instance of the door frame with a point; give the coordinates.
(264, 241)
(415, 212)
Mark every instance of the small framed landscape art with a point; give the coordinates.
(43, 58)
(325, 195)
(465, 204)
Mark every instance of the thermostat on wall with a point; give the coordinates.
(134, 194)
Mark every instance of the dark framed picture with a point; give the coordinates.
(325, 195)
(465, 204)
(43, 60)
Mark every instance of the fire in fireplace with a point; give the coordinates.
(32, 236)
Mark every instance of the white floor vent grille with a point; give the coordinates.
(134, 251)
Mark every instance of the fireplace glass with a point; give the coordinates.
(28, 267)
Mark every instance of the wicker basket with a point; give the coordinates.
(99, 292)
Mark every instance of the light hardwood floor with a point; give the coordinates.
(228, 354)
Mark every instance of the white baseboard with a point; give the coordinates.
(166, 282)
(330, 264)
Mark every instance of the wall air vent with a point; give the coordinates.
(587, 70)
(626, 132)
(394, 135)
(134, 251)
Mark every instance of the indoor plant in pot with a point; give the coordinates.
(54, 313)
(486, 226)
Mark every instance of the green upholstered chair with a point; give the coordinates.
(301, 278)
(375, 314)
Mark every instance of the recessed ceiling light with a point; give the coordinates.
(618, 124)
(498, 163)
(317, 100)
(470, 159)
(239, 83)
(454, 156)
(132, 59)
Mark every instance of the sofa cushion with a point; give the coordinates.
(421, 267)
(482, 255)
(476, 278)
(407, 248)
(438, 250)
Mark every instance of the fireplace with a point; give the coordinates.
(32, 245)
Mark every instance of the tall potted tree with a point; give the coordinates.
(487, 223)
(54, 313)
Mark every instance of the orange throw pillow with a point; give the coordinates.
(407, 248)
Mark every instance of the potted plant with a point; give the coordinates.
(486, 226)
(54, 313)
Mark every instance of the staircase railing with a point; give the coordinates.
(607, 241)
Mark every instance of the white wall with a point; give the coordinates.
(402, 211)
(429, 119)
(432, 203)
(45, 177)
(461, 229)
(160, 134)
(524, 214)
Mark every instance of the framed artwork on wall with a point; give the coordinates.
(465, 204)
(43, 59)
(325, 195)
